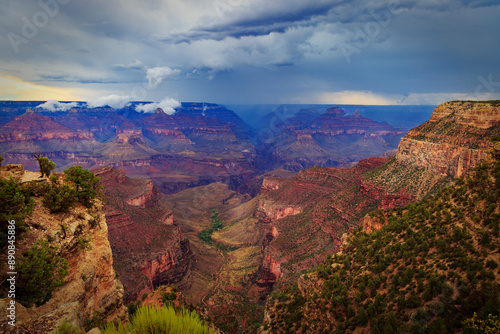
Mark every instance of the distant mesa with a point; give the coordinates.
(335, 111)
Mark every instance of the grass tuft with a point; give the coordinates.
(164, 320)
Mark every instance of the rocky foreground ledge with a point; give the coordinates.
(91, 289)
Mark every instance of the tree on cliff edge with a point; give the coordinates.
(46, 165)
(86, 184)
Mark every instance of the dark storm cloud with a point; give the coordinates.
(246, 50)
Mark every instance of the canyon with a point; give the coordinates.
(148, 248)
(199, 144)
(284, 202)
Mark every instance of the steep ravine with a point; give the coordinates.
(148, 247)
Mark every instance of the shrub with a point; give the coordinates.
(59, 198)
(206, 235)
(40, 272)
(97, 319)
(67, 328)
(86, 184)
(14, 203)
(132, 308)
(489, 325)
(46, 165)
(495, 137)
(34, 188)
(84, 242)
(164, 320)
(168, 296)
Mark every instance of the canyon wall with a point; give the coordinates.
(148, 246)
(90, 286)
(307, 215)
(454, 140)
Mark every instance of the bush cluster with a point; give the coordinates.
(80, 186)
(40, 272)
(16, 204)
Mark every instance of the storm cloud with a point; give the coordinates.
(254, 51)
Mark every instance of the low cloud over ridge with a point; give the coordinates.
(167, 105)
(114, 101)
(57, 106)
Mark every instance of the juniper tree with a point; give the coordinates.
(46, 165)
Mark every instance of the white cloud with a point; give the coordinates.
(156, 75)
(167, 104)
(57, 106)
(114, 101)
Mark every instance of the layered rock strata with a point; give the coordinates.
(454, 140)
(148, 247)
(91, 286)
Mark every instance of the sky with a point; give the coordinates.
(249, 51)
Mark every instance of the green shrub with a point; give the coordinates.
(98, 319)
(168, 296)
(34, 188)
(86, 184)
(489, 325)
(84, 242)
(164, 320)
(67, 328)
(59, 198)
(206, 235)
(495, 137)
(40, 272)
(46, 165)
(14, 204)
(132, 308)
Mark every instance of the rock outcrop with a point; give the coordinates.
(385, 199)
(432, 155)
(32, 132)
(147, 198)
(454, 140)
(91, 287)
(482, 115)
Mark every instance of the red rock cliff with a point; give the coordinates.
(454, 140)
(147, 245)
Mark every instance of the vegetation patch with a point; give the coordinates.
(164, 320)
(40, 272)
(206, 235)
(432, 268)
